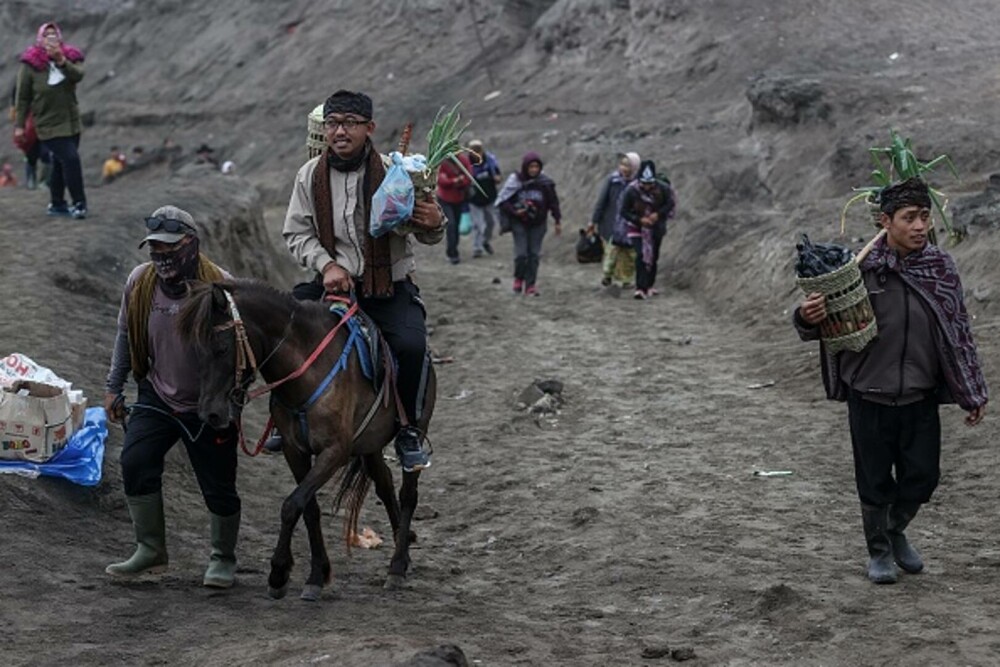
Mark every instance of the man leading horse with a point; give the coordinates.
(326, 229)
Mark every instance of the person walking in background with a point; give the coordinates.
(452, 191)
(527, 198)
(27, 142)
(486, 174)
(619, 257)
(646, 206)
(46, 89)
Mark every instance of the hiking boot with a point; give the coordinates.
(274, 442)
(58, 210)
(412, 455)
(531, 290)
(221, 570)
(881, 565)
(454, 260)
(79, 211)
(518, 285)
(487, 247)
(900, 515)
(150, 555)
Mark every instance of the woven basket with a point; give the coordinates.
(316, 134)
(424, 183)
(850, 320)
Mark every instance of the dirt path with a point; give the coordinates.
(630, 520)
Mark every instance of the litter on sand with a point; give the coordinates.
(366, 539)
(772, 473)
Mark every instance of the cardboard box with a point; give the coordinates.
(36, 421)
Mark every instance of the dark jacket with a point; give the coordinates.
(634, 207)
(606, 209)
(906, 354)
(529, 200)
(54, 108)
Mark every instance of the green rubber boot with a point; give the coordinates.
(222, 563)
(150, 555)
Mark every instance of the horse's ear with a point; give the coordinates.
(218, 298)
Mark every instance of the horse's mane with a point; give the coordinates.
(195, 318)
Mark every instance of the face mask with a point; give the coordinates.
(176, 266)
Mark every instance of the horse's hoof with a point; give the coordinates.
(394, 582)
(311, 593)
(277, 593)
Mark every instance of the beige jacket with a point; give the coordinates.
(349, 226)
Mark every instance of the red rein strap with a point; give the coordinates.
(260, 391)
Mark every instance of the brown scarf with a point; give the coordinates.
(376, 281)
(140, 305)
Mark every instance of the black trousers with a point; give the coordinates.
(66, 170)
(150, 436)
(907, 438)
(400, 318)
(453, 212)
(645, 276)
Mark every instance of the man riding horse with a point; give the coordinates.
(326, 229)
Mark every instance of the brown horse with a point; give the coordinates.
(345, 425)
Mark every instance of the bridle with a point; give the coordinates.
(246, 363)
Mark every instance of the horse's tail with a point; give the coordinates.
(354, 487)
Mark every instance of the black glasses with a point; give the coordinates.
(348, 123)
(170, 225)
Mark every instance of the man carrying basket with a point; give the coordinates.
(924, 355)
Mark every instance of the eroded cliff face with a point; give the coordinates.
(760, 113)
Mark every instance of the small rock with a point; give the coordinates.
(547, 404)
(445, 655)
(550, 386)
(683, 653)
(444, 320)
(982, 293)
(584, 515)
(497, 281)
(656, 652)
(530, 395)
(425, 513)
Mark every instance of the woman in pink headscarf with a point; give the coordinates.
(46, 88)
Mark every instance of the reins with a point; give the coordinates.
(245, 360)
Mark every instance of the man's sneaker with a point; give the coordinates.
(518, 285)
(531, 290)
(410, 450)
(79, 211)
(476, 254)
(487, 247)
(453, 260)
(58, 209)
(606, 281)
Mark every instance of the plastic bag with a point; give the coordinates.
(465, 223)
(817, 259)
(79, 461)
(392, 203)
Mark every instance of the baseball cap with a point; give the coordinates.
(169, 224)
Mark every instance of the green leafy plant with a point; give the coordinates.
(444, 140)
(898, 162)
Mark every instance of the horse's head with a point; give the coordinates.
(209, 323)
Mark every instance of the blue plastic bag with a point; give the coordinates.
(465, 223)
(79, 461)
(392, 203)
